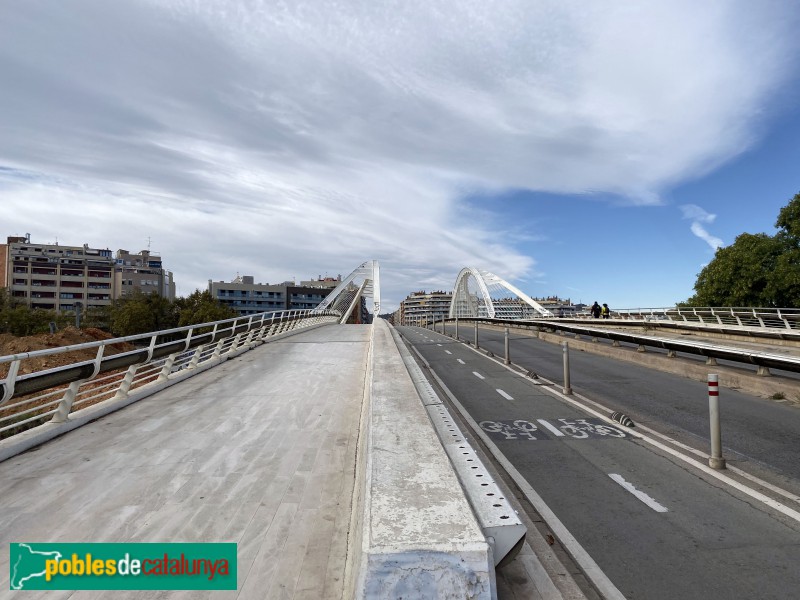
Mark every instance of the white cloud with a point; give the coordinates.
(293, 138)
(700, 231)
(698, 216)
(695, 213)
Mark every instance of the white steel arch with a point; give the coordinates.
(479, 293)
(369, 276)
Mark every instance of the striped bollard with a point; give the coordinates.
(567, 390)
(715, 461)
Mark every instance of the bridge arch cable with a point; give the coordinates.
(363, 281)
(481, 294)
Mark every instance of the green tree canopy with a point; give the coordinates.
(137, 313)
(757, 269)
(141, 313)
(201, 307)
(18, 319)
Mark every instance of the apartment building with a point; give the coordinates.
(56, 277)
(144, 272)
(249, 298)
(421, 308)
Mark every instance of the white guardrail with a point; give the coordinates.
(763, 360)
(758, 318)
(157, 360)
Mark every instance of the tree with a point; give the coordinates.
(757, 269)
(142, 313)
(201, 307)
(19, 319)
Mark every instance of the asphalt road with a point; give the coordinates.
(680, 537)
(757, 434)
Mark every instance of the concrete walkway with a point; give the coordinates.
(259, 451)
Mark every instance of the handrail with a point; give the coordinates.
(760, 359)
(761, 317)
(159, 358)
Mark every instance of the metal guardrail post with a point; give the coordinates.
(10, 381)
(218, 349)
(62, 412)
(235, 343)
(65, 405)
(715, 461)
(507, 348)
(456, 327)
(476, 335)
(196, 358)
(125, 384)
(565, 353)
(167, 368)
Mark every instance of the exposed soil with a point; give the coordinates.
(70, 336)
(25, 407)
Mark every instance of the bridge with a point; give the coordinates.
(377, 462)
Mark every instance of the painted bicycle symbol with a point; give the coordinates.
(583, 428)
(510, 430)
(578, 429)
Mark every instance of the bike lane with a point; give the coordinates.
(654, 527)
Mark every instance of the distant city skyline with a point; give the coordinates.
(596, 152)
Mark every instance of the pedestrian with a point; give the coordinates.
(606, 311)
(595, 310)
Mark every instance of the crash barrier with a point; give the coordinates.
(157, 360)
(763, 360)
(783, 323)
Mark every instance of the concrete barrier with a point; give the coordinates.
(413, 533)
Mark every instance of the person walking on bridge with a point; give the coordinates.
(606, 311)
(595, 310)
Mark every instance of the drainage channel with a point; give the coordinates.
(498, 520)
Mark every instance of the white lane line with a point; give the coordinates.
(503, 394)
(461, 361)
(638, 493)
(438, 345)
(587, 564)
(552, 428)
(478, 375)
(448, 351)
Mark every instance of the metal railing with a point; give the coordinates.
(764, 318)
(156, 359)
(763, 360)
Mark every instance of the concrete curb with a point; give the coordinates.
(418, 535)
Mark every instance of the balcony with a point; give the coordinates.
(44, 305)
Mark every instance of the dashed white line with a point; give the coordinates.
(438, 345)
(448, 351)
(638, 493)
(503, 394)
(478, 375)
(550, 427)
(461, 361)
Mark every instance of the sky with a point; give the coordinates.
(593, 151)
